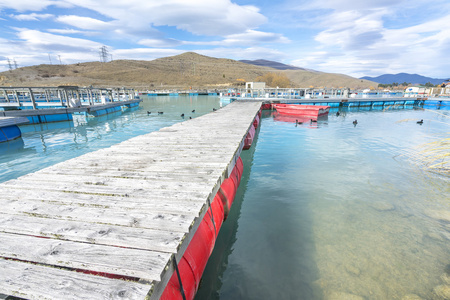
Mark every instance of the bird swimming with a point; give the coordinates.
(315, 121)
(148, 113)
(355, 122)
(420, 122)
(160, 112)
(214, 109)
(182, 115)
(337, 114)
(193, 111)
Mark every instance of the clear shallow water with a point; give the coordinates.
(324, 211)
(331, 211)
(43, 145)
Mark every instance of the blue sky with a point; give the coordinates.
(352, 37)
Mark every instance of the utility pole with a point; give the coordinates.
(15, 63)
(9, 64)
(103, 54)
(49, 58)
(59, 56)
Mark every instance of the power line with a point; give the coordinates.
(104, 54)
(10, 65)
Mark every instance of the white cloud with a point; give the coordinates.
(32, 17)
(26, 5)
(253, 37)
(74, 31)
(84, 22)
(345, 5)
(160, 43)
(200, 17)
(359, 42)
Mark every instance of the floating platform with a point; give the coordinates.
(65, 114)
(332, 102)
(109, 224)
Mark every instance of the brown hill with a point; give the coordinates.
(182, 71)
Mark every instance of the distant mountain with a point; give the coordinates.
(270, 64)
(404, 77)
(181, 71)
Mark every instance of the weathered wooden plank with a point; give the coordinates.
(113, 216)
(37, 282)
(186, 206)
(60, 180)
(105, 234)
(146, 165)
(8, 121)
(92, 189)
(137, 263)
(145, 193)
(30, 206)
(200, 176)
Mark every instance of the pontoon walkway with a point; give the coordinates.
(124, 211)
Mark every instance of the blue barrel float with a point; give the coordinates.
(9, 130)
(9, 133)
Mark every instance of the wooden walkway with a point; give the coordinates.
(126, 210)
(9, 121)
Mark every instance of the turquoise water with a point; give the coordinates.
(333, 211)
(325, 211)
(43, 145)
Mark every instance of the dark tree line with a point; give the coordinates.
(396, 84)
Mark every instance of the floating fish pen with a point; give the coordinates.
(55, 104)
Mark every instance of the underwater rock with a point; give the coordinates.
(441, 292)
(382, 206)
(342, 296)
(411, 297)
(352, 270)
(445, 278)
(435, 236)
(441, 215)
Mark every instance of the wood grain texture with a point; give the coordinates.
(123, 210)
(38, 282)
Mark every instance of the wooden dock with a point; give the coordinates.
(125, 211)
(9, 121)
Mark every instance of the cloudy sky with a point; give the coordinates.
(353, 37)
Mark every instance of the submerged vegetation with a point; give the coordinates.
(433, 156)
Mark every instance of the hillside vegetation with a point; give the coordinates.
(176, 72)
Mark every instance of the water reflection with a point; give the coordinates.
(340, 213)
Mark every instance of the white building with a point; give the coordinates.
(415, 91)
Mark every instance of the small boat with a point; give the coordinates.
(310, 111)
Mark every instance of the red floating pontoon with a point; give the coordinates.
(310, 111)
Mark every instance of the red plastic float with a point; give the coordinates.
(193, 262)
(249, 138)
(256, 121)
(266, 106)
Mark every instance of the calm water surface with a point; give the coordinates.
(333, 211)
(43, 145)
(324, 211)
